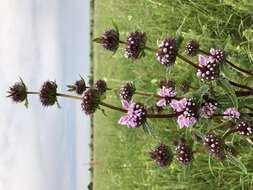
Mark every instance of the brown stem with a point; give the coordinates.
(147, 94)
(165, 116)
(189, 61)
(239, 85)
(231, 64)
(243, 93)
(113, 107)
(69, 96)
(33, 93)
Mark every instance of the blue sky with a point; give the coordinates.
(43, 148)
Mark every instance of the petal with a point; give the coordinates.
(181, 121)
(202, 60)
(125, 104)
(123, 120)
(161, 102)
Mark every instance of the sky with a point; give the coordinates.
(43, 148)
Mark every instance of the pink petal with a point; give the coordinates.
(212, 51)
(125, 104)
(161, 102)
(202, 60)
(124, 120)
(181, 121)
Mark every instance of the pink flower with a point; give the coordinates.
(184, 121)
(166, 94)
(231, 113)
(179, 105)
(136, 114)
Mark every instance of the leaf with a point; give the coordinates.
(26, 103)
(235, 161)
(115, 26)
(226, 86)
(203, 90)
(147, 128)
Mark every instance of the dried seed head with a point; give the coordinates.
(48, 93)
(90, 100)
(184, 153)
(162, 155)
(135, 45)
(101, 86)
(127, 91)
(109, 40)
(18, 92)
(192, 48)
(214, 145)
(167, 52)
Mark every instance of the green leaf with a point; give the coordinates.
(198, 94)
(226, 86)
(235, 161)
(26, 103)
(147, 128)
(115, 26)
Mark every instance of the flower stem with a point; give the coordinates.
(165, 116)
(239, 85)
(147, 94)
(33, 93)
(229, 132)
(69, 96)
(113, 107)
(188, 61)
(231, 64)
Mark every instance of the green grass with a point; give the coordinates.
(121, 154)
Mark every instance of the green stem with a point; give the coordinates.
(69, 96)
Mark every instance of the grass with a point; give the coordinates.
(121, 159)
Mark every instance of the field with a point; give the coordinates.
(121, 155)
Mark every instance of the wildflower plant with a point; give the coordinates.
(205, 107)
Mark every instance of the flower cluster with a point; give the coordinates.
(90, 100)
(244, 127)
(127, 91)
(187, 111)
(184, 153)
(101, 86)
(167, 94)
(135, 45)
(192, 48)
(18, 92)
(109, 40)
(48, 93)
(79, 86)
(214, 145)
(162, 155)
(218, 55)
(208, 108)
(231, 114)
(136, 114)
(167, 52)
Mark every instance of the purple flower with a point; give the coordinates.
(167, 94)
(136, 114)
(162, 155)
(192, 48)
(231, 113)
(208, 108)
(184, 153)
(217, 55)
(187, 111)
(209, 68)
(245, 127)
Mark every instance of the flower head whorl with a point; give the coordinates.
(90, 100)
(79, 86)
(209, 68)
(168, 51)
(48, 93)
(214, 145)
(231, 114)
(18, 92)
(184, 153)
(192, 48)
(127, 91)
(135, 45)
(136, 114)
(187, 111)
(244, 127)
(167, 94)
(208, 108)
(162, 155)
(109, 40)
(101, 86)
(217, 55)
